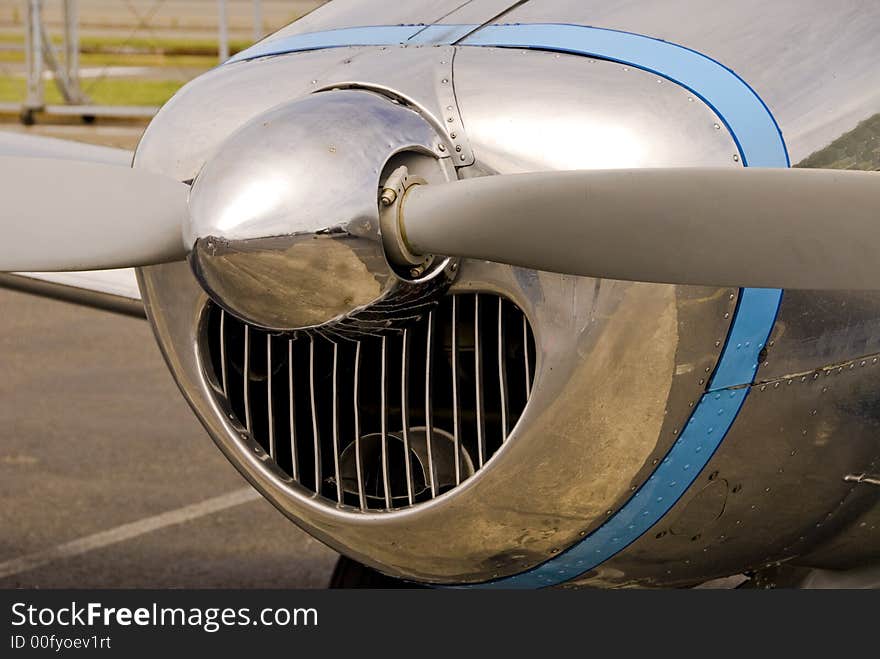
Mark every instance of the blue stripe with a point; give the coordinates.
(760, 144)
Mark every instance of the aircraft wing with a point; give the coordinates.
(114, 290)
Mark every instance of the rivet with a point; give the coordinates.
(445, 80)
(452, 135)
(461, 157)
(717, 344)
(727, 315)
(449, 119)
(717, 127)
(458, 148)
(441, 147)
(735, 157)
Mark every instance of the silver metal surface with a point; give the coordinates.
(478, 386)
(335, 413)
(383, 388)
(502, 369)
(246, 377)
(429, 424)
(617, 364)
(456, 404)
(284, 222)
(813, 62)
(291, 419)
(313, 403)
(357, 431)
(774, 491)
(404, 416)
(571, 112)
(270, 413)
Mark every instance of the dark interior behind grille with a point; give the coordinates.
(373, 423)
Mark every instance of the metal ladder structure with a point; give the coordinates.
(41, 56)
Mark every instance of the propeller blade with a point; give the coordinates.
(58, 215)
(764, 228)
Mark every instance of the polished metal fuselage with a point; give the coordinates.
(620, 365)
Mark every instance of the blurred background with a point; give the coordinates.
(106, 477)
(119, 60)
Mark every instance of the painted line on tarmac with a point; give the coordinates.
(127, 531)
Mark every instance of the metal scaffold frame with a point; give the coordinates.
(43, 58)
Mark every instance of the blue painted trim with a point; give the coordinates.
(714, 414)
(755, 316)
(760, 144)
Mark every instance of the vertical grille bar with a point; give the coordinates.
(386, 483)
(456, 412)
(336, 470)
(314, 407)
(465, 406)
(404, 415)
(502, 372)
(269, 411)
(294, 458)
(429, 422)
(246, 374)
(478, 379)
(525, 330)
(362, 499)
(223, 376)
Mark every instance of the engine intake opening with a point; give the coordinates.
(330, 408)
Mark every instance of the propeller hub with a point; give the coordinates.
(285, 227)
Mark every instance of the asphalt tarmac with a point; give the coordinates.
(106, 477)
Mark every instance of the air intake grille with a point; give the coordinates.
(381, 422)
